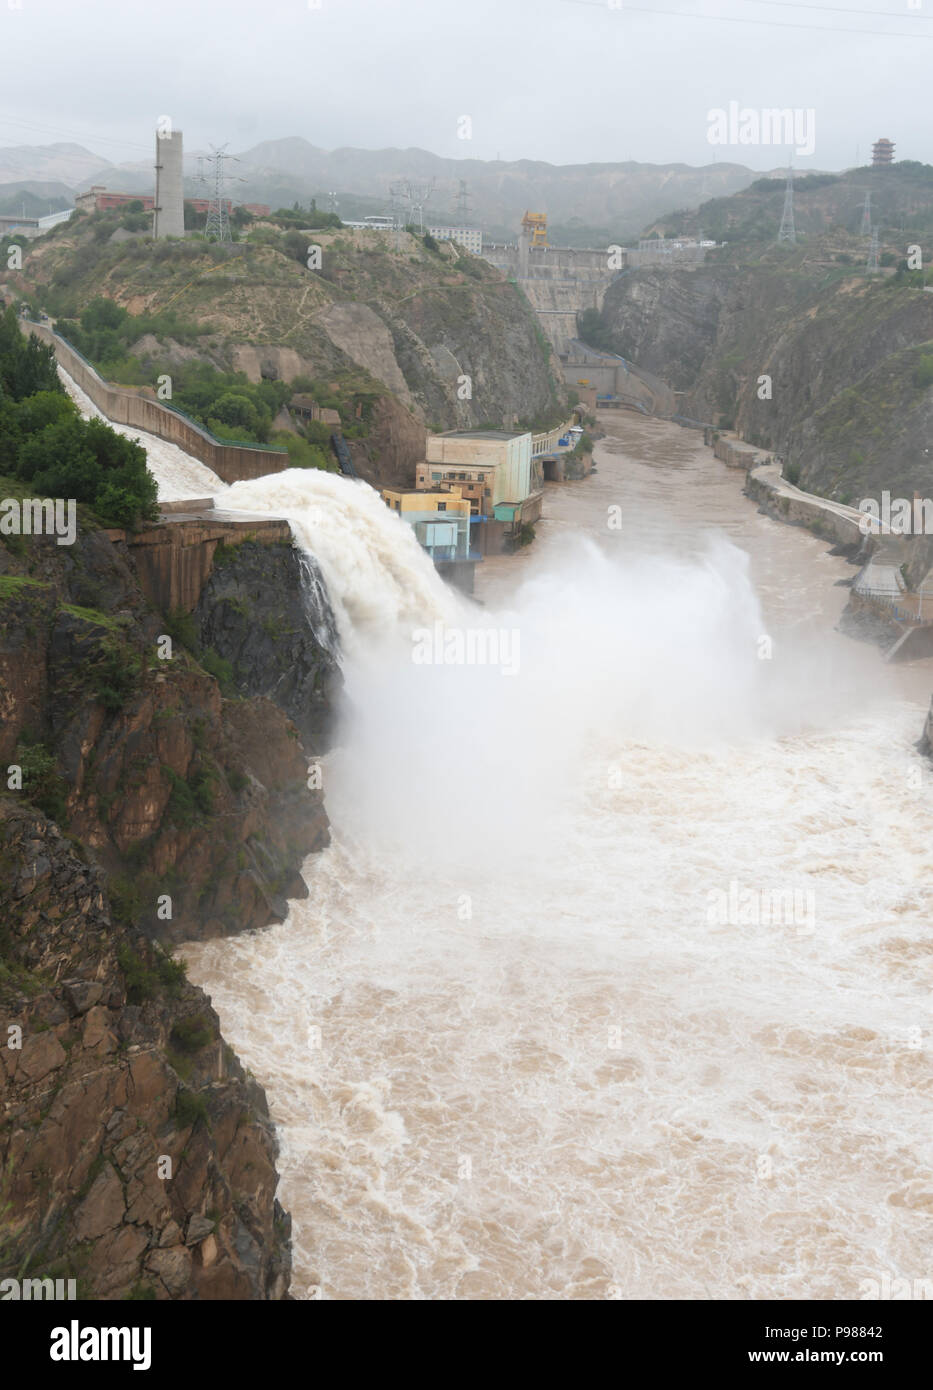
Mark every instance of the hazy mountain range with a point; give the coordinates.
(582, 200)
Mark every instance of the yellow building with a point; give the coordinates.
(440, 519)
(535, 224)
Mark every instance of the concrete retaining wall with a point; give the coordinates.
(800, 510)
(735, 454)
(174, 560)
(230, 462)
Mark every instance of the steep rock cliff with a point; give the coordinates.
(141, 805)
(265, 610)
(849, 407)
(137, 1157)
(175, 788)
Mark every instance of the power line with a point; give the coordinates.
(835, 9)
(71, 134)
(626, 8)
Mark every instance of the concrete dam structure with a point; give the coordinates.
(606, 380)
(559, 282)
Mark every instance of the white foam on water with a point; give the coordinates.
(544, 1068)
(178, 475)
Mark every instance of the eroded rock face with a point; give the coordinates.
(396, 444)
(843, 404)
(136, 1156)
(134, 1153)
(176, 789)
(264, 609)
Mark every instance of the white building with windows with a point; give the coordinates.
(470, 238)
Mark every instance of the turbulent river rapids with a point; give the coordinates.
(535, 1033)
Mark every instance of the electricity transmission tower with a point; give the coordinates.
(788, 231)
(865, 229)
(419, 193)
(218, 219)
(462, 208)
(332, 195)
(400, 193)
(871, 264)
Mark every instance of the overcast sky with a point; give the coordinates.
(568, 81)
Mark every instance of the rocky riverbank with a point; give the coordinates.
(138, 1158)
(155, 790)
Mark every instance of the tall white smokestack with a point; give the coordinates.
(169, 215)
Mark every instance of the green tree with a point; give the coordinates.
(102, 313)
(27, 365)
(89, 461)
(236, 409)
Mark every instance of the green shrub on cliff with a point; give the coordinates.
(189, 1108)
(147, 977)
(43, 785)
(192, 798)
(180, 626)
(191, 1034)
(114, 673)
(302, 454)
(218, 667)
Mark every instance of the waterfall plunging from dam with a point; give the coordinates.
(519, 1042)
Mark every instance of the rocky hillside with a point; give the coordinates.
(155, 790)
(137, 1157)
(174, 787)
(826, 206)
(848, 355)
(409, 324)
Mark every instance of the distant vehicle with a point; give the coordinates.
(707, 243)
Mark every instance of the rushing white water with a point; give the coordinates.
(177, 473)
(511, 1050)
(378, 576)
